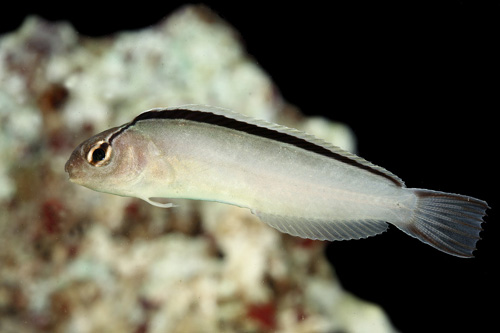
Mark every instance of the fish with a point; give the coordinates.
(290, 180)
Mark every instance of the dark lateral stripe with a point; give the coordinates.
(241, 126)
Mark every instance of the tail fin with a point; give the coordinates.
(449, 222)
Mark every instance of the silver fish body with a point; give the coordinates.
(292, 181)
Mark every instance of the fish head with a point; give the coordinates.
(106, 163)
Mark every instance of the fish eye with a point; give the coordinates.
(99, 154)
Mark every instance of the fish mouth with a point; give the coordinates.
(69, 168)
(71, 175)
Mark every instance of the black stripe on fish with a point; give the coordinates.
(253, 129)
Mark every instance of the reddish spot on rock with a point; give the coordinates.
(308, 243)
(301, 314)
(132, 210)
(148, 305)
(52, 212)
(87, 128)
(142, 328)
(264, 314)
(72, 251)
(53, 97)
(58, 141)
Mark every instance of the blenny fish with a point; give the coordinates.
(292, 181)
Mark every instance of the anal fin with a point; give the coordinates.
(323, 230)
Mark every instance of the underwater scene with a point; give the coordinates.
(77, 260)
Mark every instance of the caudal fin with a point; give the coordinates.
(449, 222)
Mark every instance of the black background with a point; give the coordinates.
(418, 84)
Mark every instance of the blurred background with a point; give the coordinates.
(418, 85)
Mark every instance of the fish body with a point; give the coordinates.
(290, 180)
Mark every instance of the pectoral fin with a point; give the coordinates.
(159, 202)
